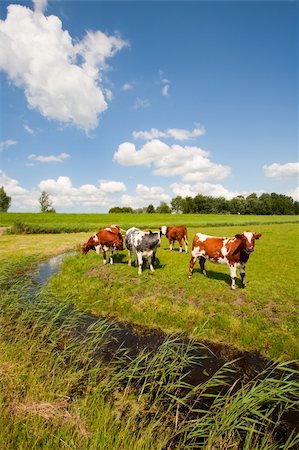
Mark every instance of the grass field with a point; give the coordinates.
(261, 317)
(45, 222)
(53, 395)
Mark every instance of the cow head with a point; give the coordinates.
(119, 242)
(90, 244)
(248, 238)
(163, 230)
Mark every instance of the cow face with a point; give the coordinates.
(163, 229)
(86, 247)
(119, 242)
(248, 238)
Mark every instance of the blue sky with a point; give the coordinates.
(108, 103)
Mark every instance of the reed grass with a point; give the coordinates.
(56, 392)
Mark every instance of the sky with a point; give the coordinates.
(127, 103)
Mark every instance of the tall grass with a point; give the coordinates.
(56, 392)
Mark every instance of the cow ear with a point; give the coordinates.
(238, 236)
(257, 235)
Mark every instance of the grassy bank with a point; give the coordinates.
(54, 393)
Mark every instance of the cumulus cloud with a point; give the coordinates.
(112, 187)
(282, 171)
(48, 159)
(189, 163)
(294, 193)
(214, 190)
(145, 195)
(40, 5)
(64, 194)
(178, 134)
(5, 144)
(21, 198)
(60, 78)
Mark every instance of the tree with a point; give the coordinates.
(45, 203)
(163, 208)
(177, 204)
(150, 209)
(5, 200)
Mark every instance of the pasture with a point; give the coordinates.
(55, 395)
(261, 317)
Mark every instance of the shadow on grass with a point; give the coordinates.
(218, 276)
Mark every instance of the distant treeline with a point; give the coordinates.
(265, 204)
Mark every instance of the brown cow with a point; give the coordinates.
(233, 251)
(109, 238)
(176, 234)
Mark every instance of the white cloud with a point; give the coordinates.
(5, 144)
(189, 163)
(28, 129)
(48, 159)
(178, 134)
(165, 90)
(141, 103)
(40, 57)
(40, 5)
(112, 187)
(282, 171)
(294, 193)
(21, 199)
(145, 195)
(127, 87)
(64, 194)
(213, 190)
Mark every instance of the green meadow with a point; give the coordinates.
(54, 395)
(260, 317)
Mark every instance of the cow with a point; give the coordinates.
(233, 251)
(144, 244)
(109, 238)
(176, 234)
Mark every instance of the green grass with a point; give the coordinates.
(261, 317)
(45, 222)
(54, 394)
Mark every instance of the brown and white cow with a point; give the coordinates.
(176, 234)
(233, 251)
(109, 238)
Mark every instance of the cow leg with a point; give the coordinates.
(139, 257)
(186, 244)
(98, 249)
(191, 265)
(104, 256)
(181, 245)
(202, 262)
(111, 256)
(171, 244)
(242, 274)
(150, 261)
(233, 273)
(130, 258)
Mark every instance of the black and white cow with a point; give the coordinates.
(144, 244)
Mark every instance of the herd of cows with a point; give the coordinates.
(143, 244)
